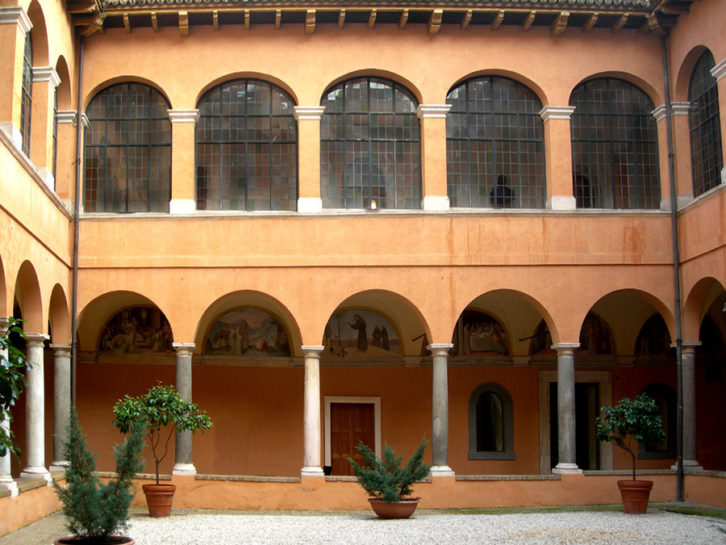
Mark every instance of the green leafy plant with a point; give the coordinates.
(12, 381)
(386, 479)
(94, 510)
(631, 422)
(163, 413)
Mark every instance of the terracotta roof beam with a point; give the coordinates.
(498, 20)
(127, 23)
(247, 19)
(404, 19)
(154, 21)
(215, 20)
(560, 23)
(372, 18)
(620, 23)
(467, 19)
(590, 22)
(310, 21)
(341, 18)
(529, 20)
(184, 23)
(435, 21)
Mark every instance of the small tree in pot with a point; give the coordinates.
(163, 413)
(627, 424)
(95, 511)
(389, 484)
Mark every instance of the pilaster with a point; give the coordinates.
(312, 461)
(433, 156)
(719, 72)
(45, 81)
(66, 121)
(308, 164)
(558, 157)
(183, 127)
(681, 153)
(14, 25)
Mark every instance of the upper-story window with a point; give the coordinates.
(705, 124)
(246, 148)
(614, 146)
(495, 145)
(128, 151)
(370, 147)
(27, 94)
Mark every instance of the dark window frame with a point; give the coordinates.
(507, 423)
(27, 95)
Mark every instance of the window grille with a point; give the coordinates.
(246, 148)
(705, 126)
(495, 145)
(370, 146)
(27, 94)
(614, 146)
(128, 151)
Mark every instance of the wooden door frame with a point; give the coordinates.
(375, 401)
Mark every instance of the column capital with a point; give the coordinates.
(432, 111)
(556, 112)
(308, 113)
(183, 116)
(687, 345)
(59, 349)
(719, 71)
(4, 324)
(36, 339)
(677, 108)
(15, 15)
(312, 351)
(46, 73)
(565, 347)
(440, 349)
(183, 348)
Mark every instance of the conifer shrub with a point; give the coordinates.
(386, 479)
(94, 510)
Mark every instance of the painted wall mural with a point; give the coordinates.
(136, 330)
(248, 332)
(477, 333)
(360, 334)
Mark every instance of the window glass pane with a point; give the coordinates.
(490, 423)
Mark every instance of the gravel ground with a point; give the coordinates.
(360, 528)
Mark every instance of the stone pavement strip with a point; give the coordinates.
(192, 527)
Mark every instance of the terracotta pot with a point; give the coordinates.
(159, 498)
(394, 509)
(635, 495)
(113, 540)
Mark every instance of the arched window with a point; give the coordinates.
(246, 148)
(27, 94)
(370, 146)
(665, 399)
(705, 125)
(128, 151)
(614, 146)
(495, 145)
(491, 431)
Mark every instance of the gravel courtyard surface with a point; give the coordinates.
(570, 528)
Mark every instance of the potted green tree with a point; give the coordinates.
(163, 413)
(12, 381)
(387, 482)
(627, 424)
(95, 510)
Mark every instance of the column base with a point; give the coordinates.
(7, 483)
(312, 472)
(688, 465)
(36, 473)
(61, 465)
(566, 468)
(442, 471)
(184, 469)
(561, 202)
(435, 203)
(309, 205)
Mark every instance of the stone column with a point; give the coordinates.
(6, 478)
(45, 81)
(440, 411)
(312, 463)
(433, 156)
(35, 409)
(558, 157)
(719, 72)
(183, 193)
(14, 25)
(183, 463)
(308, 163)
(566, 408)
(688, 368)
(61, 403)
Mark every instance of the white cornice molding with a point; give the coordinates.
(556, 112)
(65, 117)
(85, 121)
(312, 113)
(15, 15)
(183, 116)
(677, 108)
(432, 111)
(46, 73)
(719, 71)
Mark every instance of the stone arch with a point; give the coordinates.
(38, 34)
(268, 78)
(685, 72)
(28, 296)
(248, 299)
(412, 331)
(702, 295)
(64, 89)
(376, 73)
(509, 74)
(59, 316)
(91, 94)
(652, 92)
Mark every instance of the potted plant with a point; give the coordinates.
(12, 381)
(163, 413)
(626, 424)
(389, 484)
(94, 510)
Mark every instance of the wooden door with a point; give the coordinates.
(350, 423)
